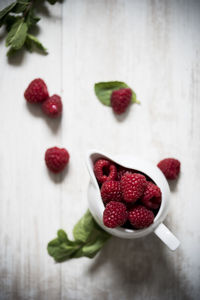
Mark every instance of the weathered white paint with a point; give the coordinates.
(154, 46)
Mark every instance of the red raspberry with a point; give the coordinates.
(133, 186)
(121, 171)
(170, 167)
(115, 214)
(105, 170)
(56, 159)
(152, 196)
(36, 91)
(120, 100)
(111, 191)
(140, 217)
(52, 106)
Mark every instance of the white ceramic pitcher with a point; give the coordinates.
(96, 206)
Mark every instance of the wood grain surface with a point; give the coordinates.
(154, 46)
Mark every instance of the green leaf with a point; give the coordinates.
(62, 236)
(32, 42)
(91, 249)
(83, 229)
(134, 98)
(29, 46)
(21, 6)
(54, 243)
(89, 239)
(32, 19)
(9, 20)
(7, 9)
(62, 248)
(103, 91)
(17, 35)
(78, 253)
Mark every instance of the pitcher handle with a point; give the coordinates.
(167, 237)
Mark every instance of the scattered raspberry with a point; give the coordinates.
(133, 186)
(120, 100)
(170, 167)
(56, 159)
(152, 196)
(111, 191)
(140, 217)
(105, 170)
(36, 91)
(115, 214)
(52, 106)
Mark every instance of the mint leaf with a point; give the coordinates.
(89, 239)
(6, 10)
(9, 20)
(32, 42)
(17, 35)
(84, 227)
(103, 91)
(19, 18)
(91, 249)
(96, 241)
(32, 19)
(62, 248)
(54, 243)
(134, 98)
(21, 6)
(62, 236)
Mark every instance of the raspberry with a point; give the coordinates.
(120, 100)
(111, 191)
(115, 214)
(52, 106)
(152, 196)
(121, 171)
(36, 91)
(170, 167)
(56, 159)
(133, 186)
(105, 170)
(140, 217)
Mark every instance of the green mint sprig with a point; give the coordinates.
(89, 238)
(103, 91)
(19, 18)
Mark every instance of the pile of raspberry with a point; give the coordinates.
(130, 198)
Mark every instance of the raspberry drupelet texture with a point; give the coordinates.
(37, 91)
(132, 186)
(111, 191)
(140, 217)
(115, 214)
(170, 167)
(105, 170)
(120, 100)
(152, 196)
(56, 159)
(121, 171)
(52, 106)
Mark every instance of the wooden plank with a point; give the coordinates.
(30, 210)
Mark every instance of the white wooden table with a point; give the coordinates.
(154, 46)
